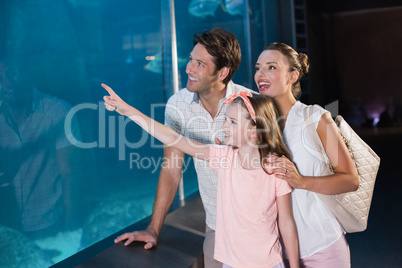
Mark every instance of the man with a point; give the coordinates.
(197, 112)
(35, 164)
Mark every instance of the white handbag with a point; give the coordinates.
(351, 209)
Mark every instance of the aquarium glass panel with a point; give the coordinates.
(71, 172)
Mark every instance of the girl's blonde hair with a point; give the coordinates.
(269, 135)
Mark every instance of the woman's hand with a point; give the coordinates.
(115, 103)
(286, 170)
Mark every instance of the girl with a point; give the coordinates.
(249, 199)
(321, 238)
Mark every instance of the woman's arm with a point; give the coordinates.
(287, 229)
(345, 179)
(156, 129)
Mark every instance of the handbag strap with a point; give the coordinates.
(319, 151)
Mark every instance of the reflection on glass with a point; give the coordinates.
(36, 175)
(203, 8)
(235, 7)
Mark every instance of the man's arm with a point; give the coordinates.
(169, 179)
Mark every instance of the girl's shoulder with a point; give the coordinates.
(217, 149)
(220, 154)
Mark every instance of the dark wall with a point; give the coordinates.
(354, 51)
(327, 6)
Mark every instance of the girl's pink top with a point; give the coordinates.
(246, 224)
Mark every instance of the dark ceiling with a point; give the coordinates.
(326, 6)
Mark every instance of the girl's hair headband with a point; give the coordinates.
(244, 95)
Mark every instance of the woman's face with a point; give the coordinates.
(272, 74)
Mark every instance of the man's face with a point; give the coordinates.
(10, 87)
(201, 70)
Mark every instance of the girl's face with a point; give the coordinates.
(237, 127)
(272, 74)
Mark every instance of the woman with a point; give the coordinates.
(322, 242)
